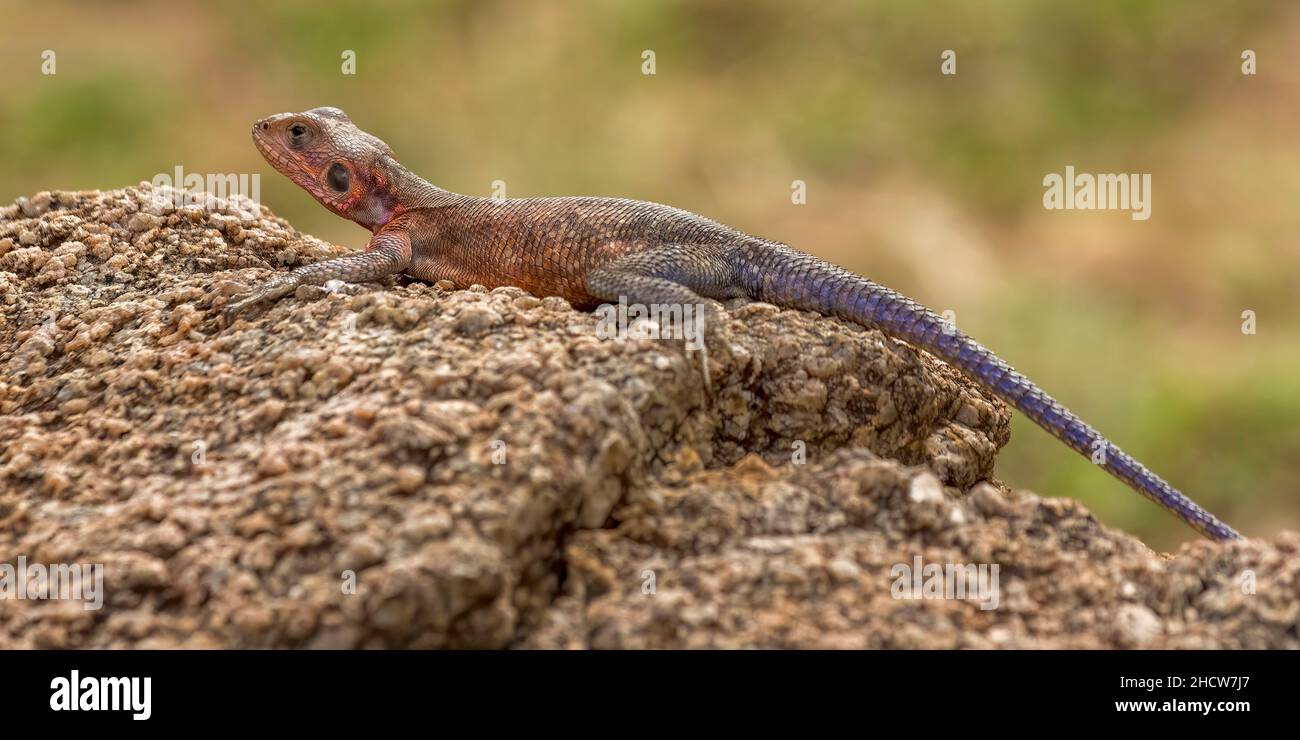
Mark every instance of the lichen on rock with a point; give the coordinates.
(400, 465)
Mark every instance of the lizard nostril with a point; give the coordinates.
(263, 125)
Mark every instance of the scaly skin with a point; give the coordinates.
(596, 250)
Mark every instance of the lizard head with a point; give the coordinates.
(346, 169)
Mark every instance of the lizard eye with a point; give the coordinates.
(338, 177)
(299, 135)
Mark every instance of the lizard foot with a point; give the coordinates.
(266, 293)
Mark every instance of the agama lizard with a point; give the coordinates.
(595, 250)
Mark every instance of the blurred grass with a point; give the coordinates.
(931, 184)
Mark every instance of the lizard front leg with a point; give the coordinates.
(388, 252)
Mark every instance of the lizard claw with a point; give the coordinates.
(703, 352)
(712, 317)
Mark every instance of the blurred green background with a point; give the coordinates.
(931, 184)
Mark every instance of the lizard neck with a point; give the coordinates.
(397, 190)
(413, 191)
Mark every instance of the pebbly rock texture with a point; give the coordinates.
(403, 465)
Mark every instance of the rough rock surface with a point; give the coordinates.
(403, 465)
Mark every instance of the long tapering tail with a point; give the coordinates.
(778, 274)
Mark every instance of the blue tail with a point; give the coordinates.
(784, 276)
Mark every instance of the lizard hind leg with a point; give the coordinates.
(673, 282)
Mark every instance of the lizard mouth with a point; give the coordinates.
(270, 153)
(276, 156)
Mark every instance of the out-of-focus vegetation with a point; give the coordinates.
(929, 183)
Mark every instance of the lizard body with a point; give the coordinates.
(595, 250)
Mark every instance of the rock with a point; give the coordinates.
(143, 222)
(393, 465)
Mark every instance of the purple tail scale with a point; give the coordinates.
(784, 276)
